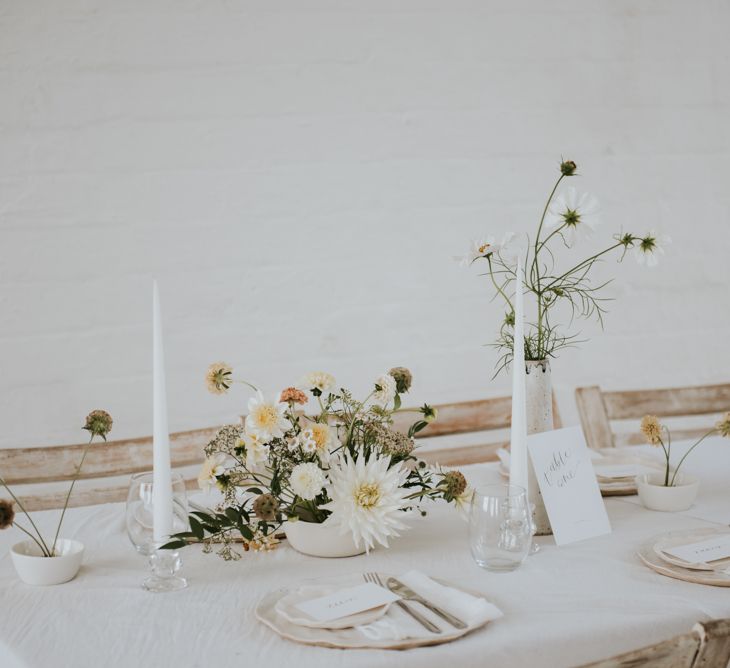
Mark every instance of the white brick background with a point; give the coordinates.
(297, 175)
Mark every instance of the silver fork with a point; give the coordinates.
(428, 625)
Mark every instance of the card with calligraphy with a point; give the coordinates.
(568, 484)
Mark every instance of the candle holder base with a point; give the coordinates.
(165, 564)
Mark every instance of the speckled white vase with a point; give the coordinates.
(539, 405)
(35, 569)
(321, 540)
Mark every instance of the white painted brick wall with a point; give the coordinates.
(297, 175)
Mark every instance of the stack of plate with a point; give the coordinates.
(654, 554)
(278, 610)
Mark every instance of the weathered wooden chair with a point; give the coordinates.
(706, 646)
(477, 420)
(598, 409)
(40, 476)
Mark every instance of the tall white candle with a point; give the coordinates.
(518, 434)
(162, 474)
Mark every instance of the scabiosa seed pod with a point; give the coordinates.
(266, 506)
(403, 378)
(455, 484)
(7, 514)
(99, 423)
(568, 167)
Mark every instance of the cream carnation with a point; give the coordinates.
(212, 467)
(318, 380)
(307, 480)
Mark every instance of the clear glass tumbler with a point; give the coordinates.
(500, 527)
(139, 510)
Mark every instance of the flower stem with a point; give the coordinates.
(30, 519)
(35, 540)
(71, 489)
(712, 431)
(496, 285)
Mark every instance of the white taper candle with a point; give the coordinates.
(162, 474)
(518, 433)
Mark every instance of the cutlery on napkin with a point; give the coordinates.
(398, 625)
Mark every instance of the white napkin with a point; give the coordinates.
(398, 624)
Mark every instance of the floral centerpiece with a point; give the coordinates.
(315, 454)
(568, 218)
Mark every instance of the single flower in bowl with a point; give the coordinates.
(671, 490)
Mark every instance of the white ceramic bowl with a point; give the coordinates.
(320, 540)
(35, 569)
(655, 496)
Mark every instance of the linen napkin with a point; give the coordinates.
(398, 624)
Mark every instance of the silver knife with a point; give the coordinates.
(397, 587)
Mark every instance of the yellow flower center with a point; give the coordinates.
(367, 495)
(266, 416)
(483, 248)
(319, 435)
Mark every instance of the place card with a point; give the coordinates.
(346, 602)
(710, 549)
(564, 471)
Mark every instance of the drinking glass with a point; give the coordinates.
(500, 527)
(139, 520)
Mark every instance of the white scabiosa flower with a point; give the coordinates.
(266, 419)
(307, 442)
(650, 247)
(576, 213)
(213, 466)
(385, 389)
(368, 499)
(318, 380)
(307, 480)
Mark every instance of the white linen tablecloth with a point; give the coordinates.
(563, 607)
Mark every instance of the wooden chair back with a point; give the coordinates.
(707, 646)
(33, 473)
(37, 469)
(599, 409)
(478, 418)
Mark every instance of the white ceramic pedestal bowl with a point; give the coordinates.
(35, 569)
(655, 496)
(320, 540)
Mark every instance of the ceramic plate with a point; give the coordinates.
(675, 538)
(286, 608)
(651, 559)
(348, 638)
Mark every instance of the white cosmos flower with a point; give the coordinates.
(368, 499)
(578, 212)
(387, 391)
(266, 419)
(318, 380)
(650, 247)
(212, 468)
(307, 480)
(477, 248)
(257, 452)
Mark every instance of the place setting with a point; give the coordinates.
(375, 611)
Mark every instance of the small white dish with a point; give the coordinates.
(35, 569)
(286, 608)
(655, 496)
